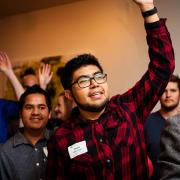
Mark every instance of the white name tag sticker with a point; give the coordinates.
(77, 149)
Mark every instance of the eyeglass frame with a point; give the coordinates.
(90, 79)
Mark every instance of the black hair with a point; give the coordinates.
(74, 64)
(33, 90)
(28, 71)
(176, 79)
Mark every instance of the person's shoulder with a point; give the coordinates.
(173, 122)
(7, 146)
(154, 116)
(7, 101)
(153, 119)
(63, 129)
(175, 118)
(114, 102)
(8, 105)
(171, 131)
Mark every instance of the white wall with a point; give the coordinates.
(112, 30)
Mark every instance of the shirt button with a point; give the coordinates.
(37, 164)
(35, 149)
(101, 140)
(108, 163)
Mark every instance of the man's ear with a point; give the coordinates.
(68, 94)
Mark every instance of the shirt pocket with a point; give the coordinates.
(121, 135)
(82, 164)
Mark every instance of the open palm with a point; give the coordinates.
(5, 64)
(45, 75)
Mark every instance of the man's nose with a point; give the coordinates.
(35, 110)
(168, 93)
(93, 83)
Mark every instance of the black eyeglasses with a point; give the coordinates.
(85, 81)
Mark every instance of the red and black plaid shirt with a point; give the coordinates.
(115, 142)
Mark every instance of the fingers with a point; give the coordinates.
(45, 73)
(2, 56)
(50, 77)
(3, 59)
(5, 56)
(45, 69)
(5, 64)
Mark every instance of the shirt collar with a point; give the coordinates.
(20, 139)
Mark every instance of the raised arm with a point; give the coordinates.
(6, 68)
(45, 75)
(147, 91)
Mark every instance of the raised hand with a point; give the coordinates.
(6, 68)
(148, 5)
(5, 64)
(144, 1)
(145, 5)
(45, 75)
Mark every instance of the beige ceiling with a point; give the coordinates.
(11, 7)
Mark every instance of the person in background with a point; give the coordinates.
(24, 156)
(154, 124)
(29, 78)
(62, 111)
(104, 138)
(169, 158)
(63, 107)
(7, 70)
(9, 110)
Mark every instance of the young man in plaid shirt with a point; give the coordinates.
(104, 138)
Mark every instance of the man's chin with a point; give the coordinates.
(169, 107)
(93, 107)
